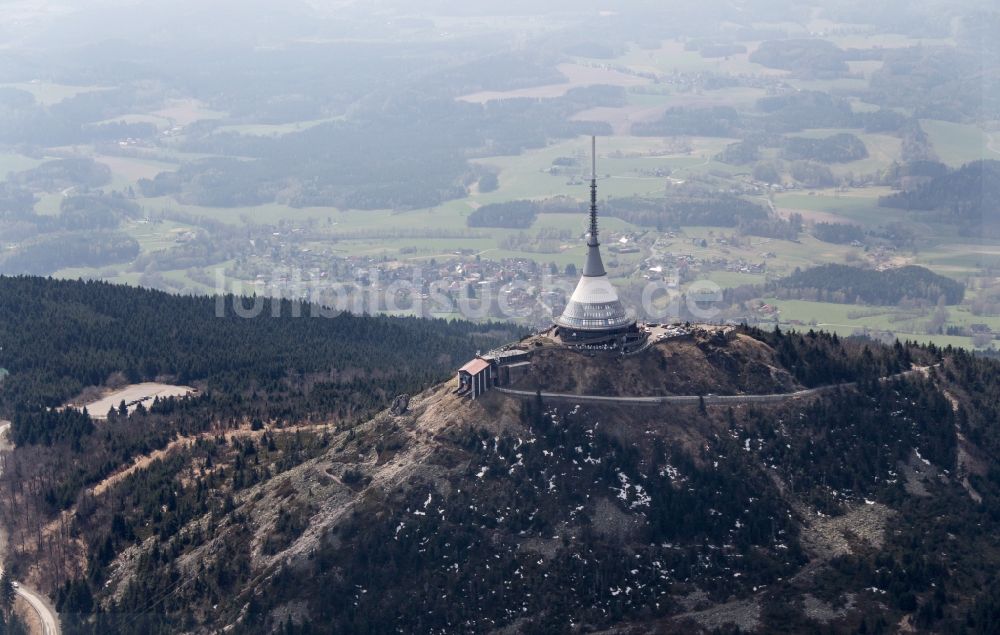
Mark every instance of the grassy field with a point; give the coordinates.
(731, 279)
(270, 213)
(882, 149)
(13, 162)
(273, 130)
(48, 93)
(865, 67)
(48, 204)
(961, 258)
(628, 160)
(126, 171)
(941, 248)
(829, 314)
(857, 206)
(957, 143)
(628, 165)
(660, 95)
(577, 75)
(159, 122)
(846, 319)
(671, 57)
(838, 84)
(885, 40)
(862, 106)
(805, 252)
(577, 223)
(155, 236)
(523, 176)
(182, 112)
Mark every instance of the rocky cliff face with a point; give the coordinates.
(842, 511)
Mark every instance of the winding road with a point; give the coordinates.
(47, 616)
(684, 400)
(689, 400)
(49, 620)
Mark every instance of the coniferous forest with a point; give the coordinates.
(275, 501)
(173, 461)
(843, 283)
(58, 337)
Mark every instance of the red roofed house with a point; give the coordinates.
(475, 377)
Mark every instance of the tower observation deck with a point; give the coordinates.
(594, 311)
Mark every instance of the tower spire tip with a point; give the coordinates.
(593, 191)
(593, 158)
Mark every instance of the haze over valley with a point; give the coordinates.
(471, 317)
(325, 151)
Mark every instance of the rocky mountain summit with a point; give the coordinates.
(870, 506)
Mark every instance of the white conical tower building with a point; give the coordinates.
(594, 311)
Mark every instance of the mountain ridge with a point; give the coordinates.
(696, 519)
(868, 503)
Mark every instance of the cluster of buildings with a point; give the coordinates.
(522, 289)
(740, 265)
(682, 267)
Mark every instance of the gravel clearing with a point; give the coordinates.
(133, 395)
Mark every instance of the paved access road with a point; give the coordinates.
(710, 400)
(46, 614)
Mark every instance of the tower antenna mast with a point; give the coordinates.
(594, 312)
(593, 192)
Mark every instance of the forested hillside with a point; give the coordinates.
(843, 283)
(839, 148)
(805, 57)
(83, 233)
(840, 233)
(965, 197)
(57, 337)
(370, 177)
(515, 215)
(844, 512)
(695, 207)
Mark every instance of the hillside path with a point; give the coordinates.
(709, 399)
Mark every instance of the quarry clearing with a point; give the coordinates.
(133, 395)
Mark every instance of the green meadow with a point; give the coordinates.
(957, 143)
